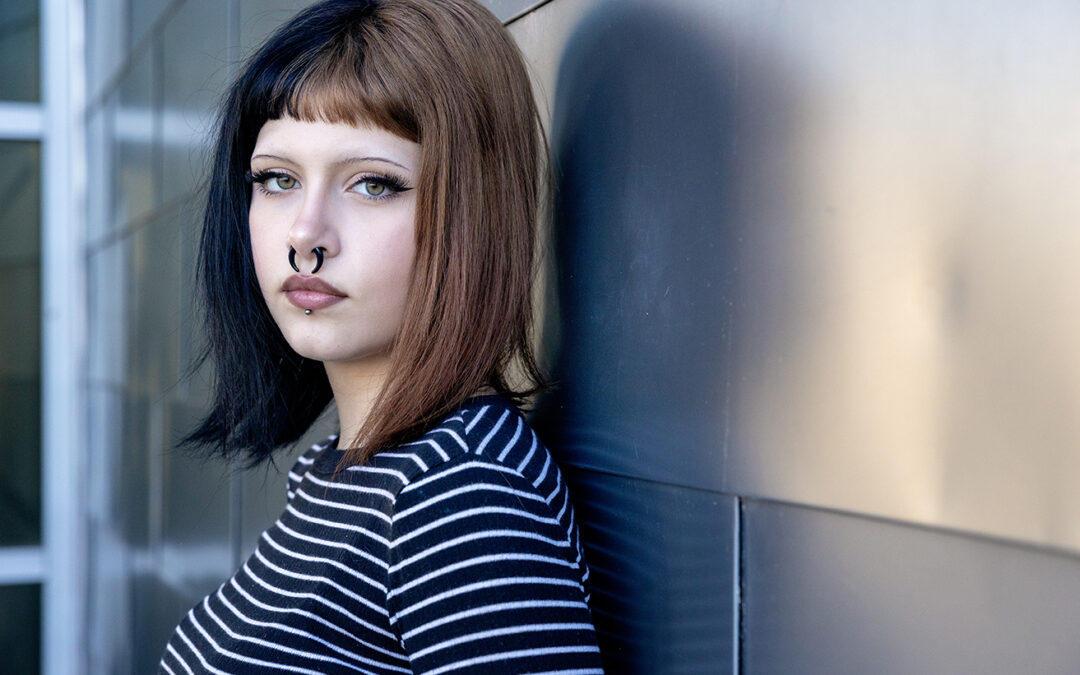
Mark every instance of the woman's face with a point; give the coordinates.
(349, 191)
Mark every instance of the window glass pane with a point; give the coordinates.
(20, 624)
(20, 50)
(20, 343)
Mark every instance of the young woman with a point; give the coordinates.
(369, 238)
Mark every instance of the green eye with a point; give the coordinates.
(272, 182)
(284, 182)
(373, 188)
(379, 186)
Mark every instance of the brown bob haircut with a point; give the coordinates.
(443, 73)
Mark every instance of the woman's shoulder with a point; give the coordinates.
(485, 441)
(484, 428)
(307, 460)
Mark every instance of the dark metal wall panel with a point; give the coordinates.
(781, 234)
(823, 253)
(830, 593)
(663, 564)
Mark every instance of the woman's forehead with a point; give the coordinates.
(334, 143)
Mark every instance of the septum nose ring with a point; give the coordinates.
(318, 251)
(319, 257)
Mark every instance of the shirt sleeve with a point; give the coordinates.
(483, 578)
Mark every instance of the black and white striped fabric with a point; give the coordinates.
(454, 554)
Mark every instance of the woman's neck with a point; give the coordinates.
(356, 385)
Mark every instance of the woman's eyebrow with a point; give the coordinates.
(341, 162)
(266, 156)
(368, 158)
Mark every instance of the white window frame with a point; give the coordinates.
(59, 563)
(64, 336)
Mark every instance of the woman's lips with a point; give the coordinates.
(308, 292)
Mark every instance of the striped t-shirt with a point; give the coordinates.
(457, 553)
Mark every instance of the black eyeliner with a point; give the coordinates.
(263, 176)
(394, 183)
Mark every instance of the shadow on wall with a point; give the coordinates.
(798, 259)
(655, 135)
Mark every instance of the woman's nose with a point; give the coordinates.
(312, 235)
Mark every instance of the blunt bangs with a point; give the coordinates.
(334, 67)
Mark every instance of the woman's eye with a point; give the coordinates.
(270, 182)
(380, 187)
(372, 188)
(280, 183)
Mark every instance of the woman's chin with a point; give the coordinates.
(318, 348)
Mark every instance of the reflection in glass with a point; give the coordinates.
(20, 50)
(20, 338)
(20, 618)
